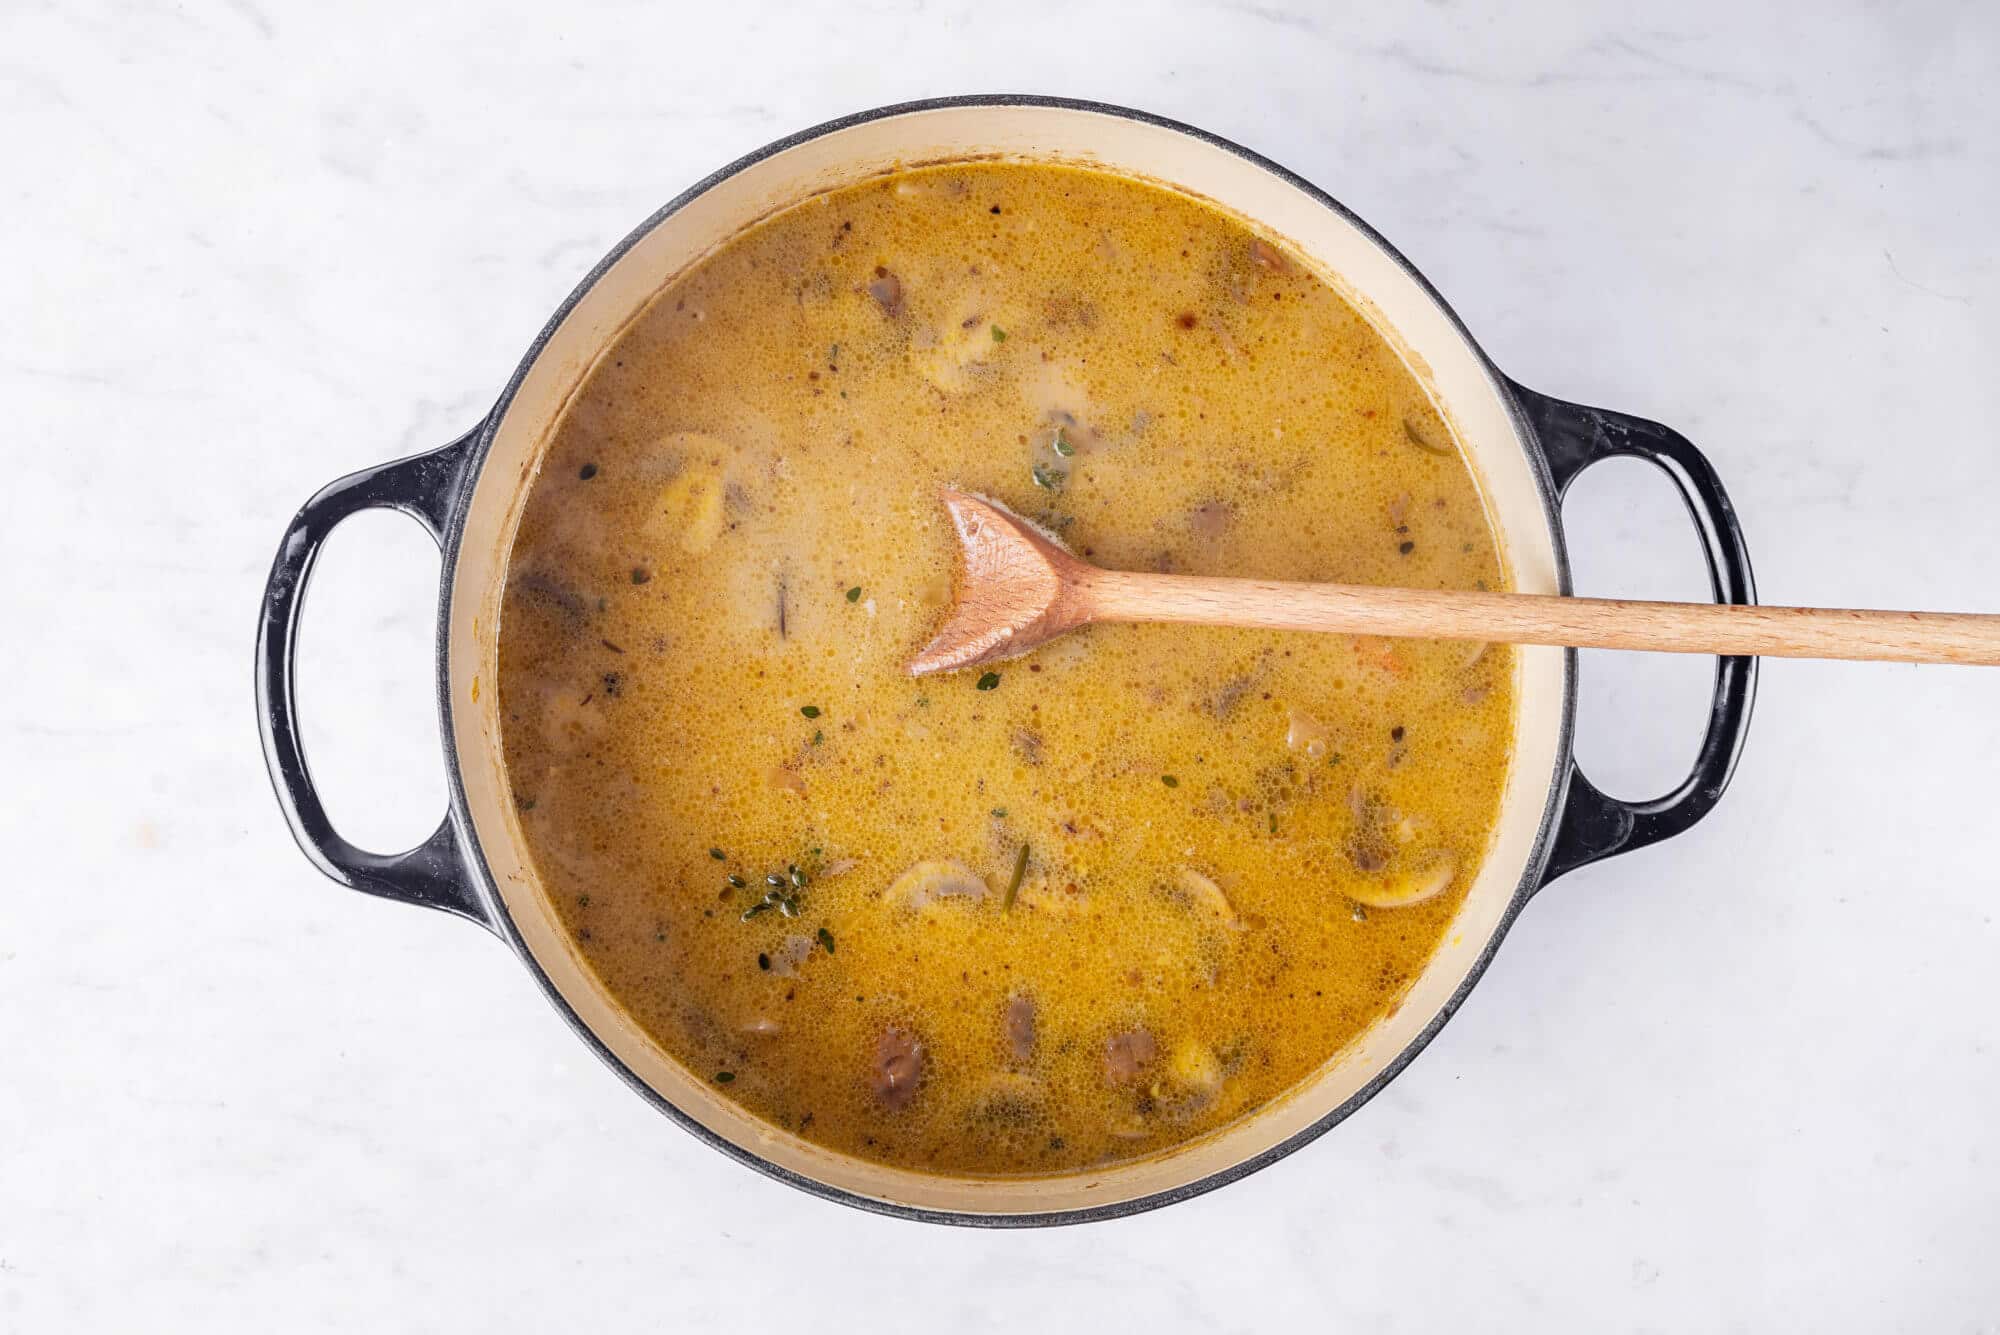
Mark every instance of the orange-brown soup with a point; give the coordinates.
(1081, 907)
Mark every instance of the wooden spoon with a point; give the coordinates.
(1020, 588)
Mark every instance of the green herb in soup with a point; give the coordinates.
(1087, 906)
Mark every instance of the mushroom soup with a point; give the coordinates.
(1075, 909)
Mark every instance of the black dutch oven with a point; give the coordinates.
(1524, 447)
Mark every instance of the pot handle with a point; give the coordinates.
(423, 486)
(1593, 824)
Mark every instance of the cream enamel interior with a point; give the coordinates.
(1459, 379)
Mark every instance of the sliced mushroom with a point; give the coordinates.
(927, 882)
(1421, 437)
(1403, 887)
(899, 1065)
(1128, 1053)
(1208, 896)
(1267, 256)
(887, 289)
(1020, 1019)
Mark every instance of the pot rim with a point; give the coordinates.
(498, 919)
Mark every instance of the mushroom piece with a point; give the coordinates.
(1208, 896)
(1127, 1054)
(927, 882)
(1421, 437)
(1020, 1019)
(1267, 256)
(899, 1065)
(1400, 888)
(887, 289)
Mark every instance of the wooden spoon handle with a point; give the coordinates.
(1522, 618)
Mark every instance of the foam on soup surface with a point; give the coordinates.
(1072, 910)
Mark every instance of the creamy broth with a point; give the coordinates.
(1086, 905)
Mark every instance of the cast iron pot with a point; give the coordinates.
(1525, 448)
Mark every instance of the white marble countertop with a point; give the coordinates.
(1743, 1080)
